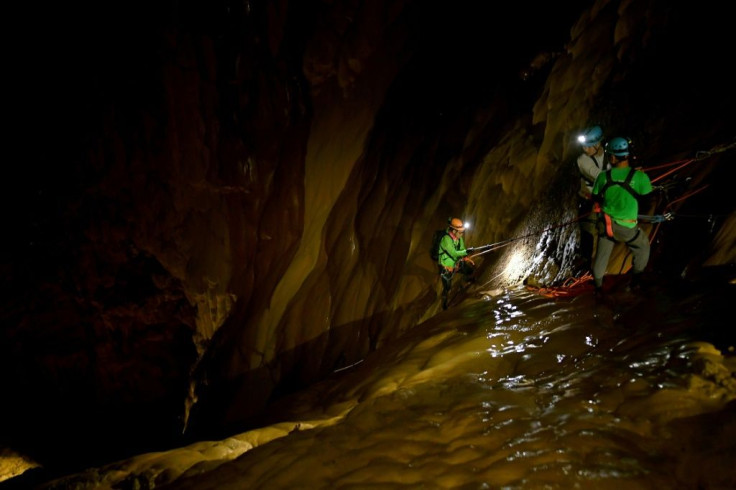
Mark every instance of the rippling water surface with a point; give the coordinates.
(512, 390)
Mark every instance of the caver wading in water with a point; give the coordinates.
(452, 257)
(617, 192)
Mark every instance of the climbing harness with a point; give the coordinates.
(626, 183)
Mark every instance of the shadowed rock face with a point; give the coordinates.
(223, 205)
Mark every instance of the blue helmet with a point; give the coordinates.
(591, 136)
(618, 147)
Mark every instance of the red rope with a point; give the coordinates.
(665, 165)
(685, 197)
(672, 171)
(572, 286)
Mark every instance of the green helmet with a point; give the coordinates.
(618, 146)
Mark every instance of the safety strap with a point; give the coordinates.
(609, 227)
(638, 230)
(595, 162)
(626, 184)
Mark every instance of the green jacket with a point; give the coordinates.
(618, 202)
(451, 250)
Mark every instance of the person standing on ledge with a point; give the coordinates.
(591, 162)
(618, 191)
(452, 257)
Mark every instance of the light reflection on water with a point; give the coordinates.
(521, 392)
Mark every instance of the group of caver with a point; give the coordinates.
(610, 191)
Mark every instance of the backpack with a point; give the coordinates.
(434, 250)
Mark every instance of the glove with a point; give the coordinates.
(470, 250)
